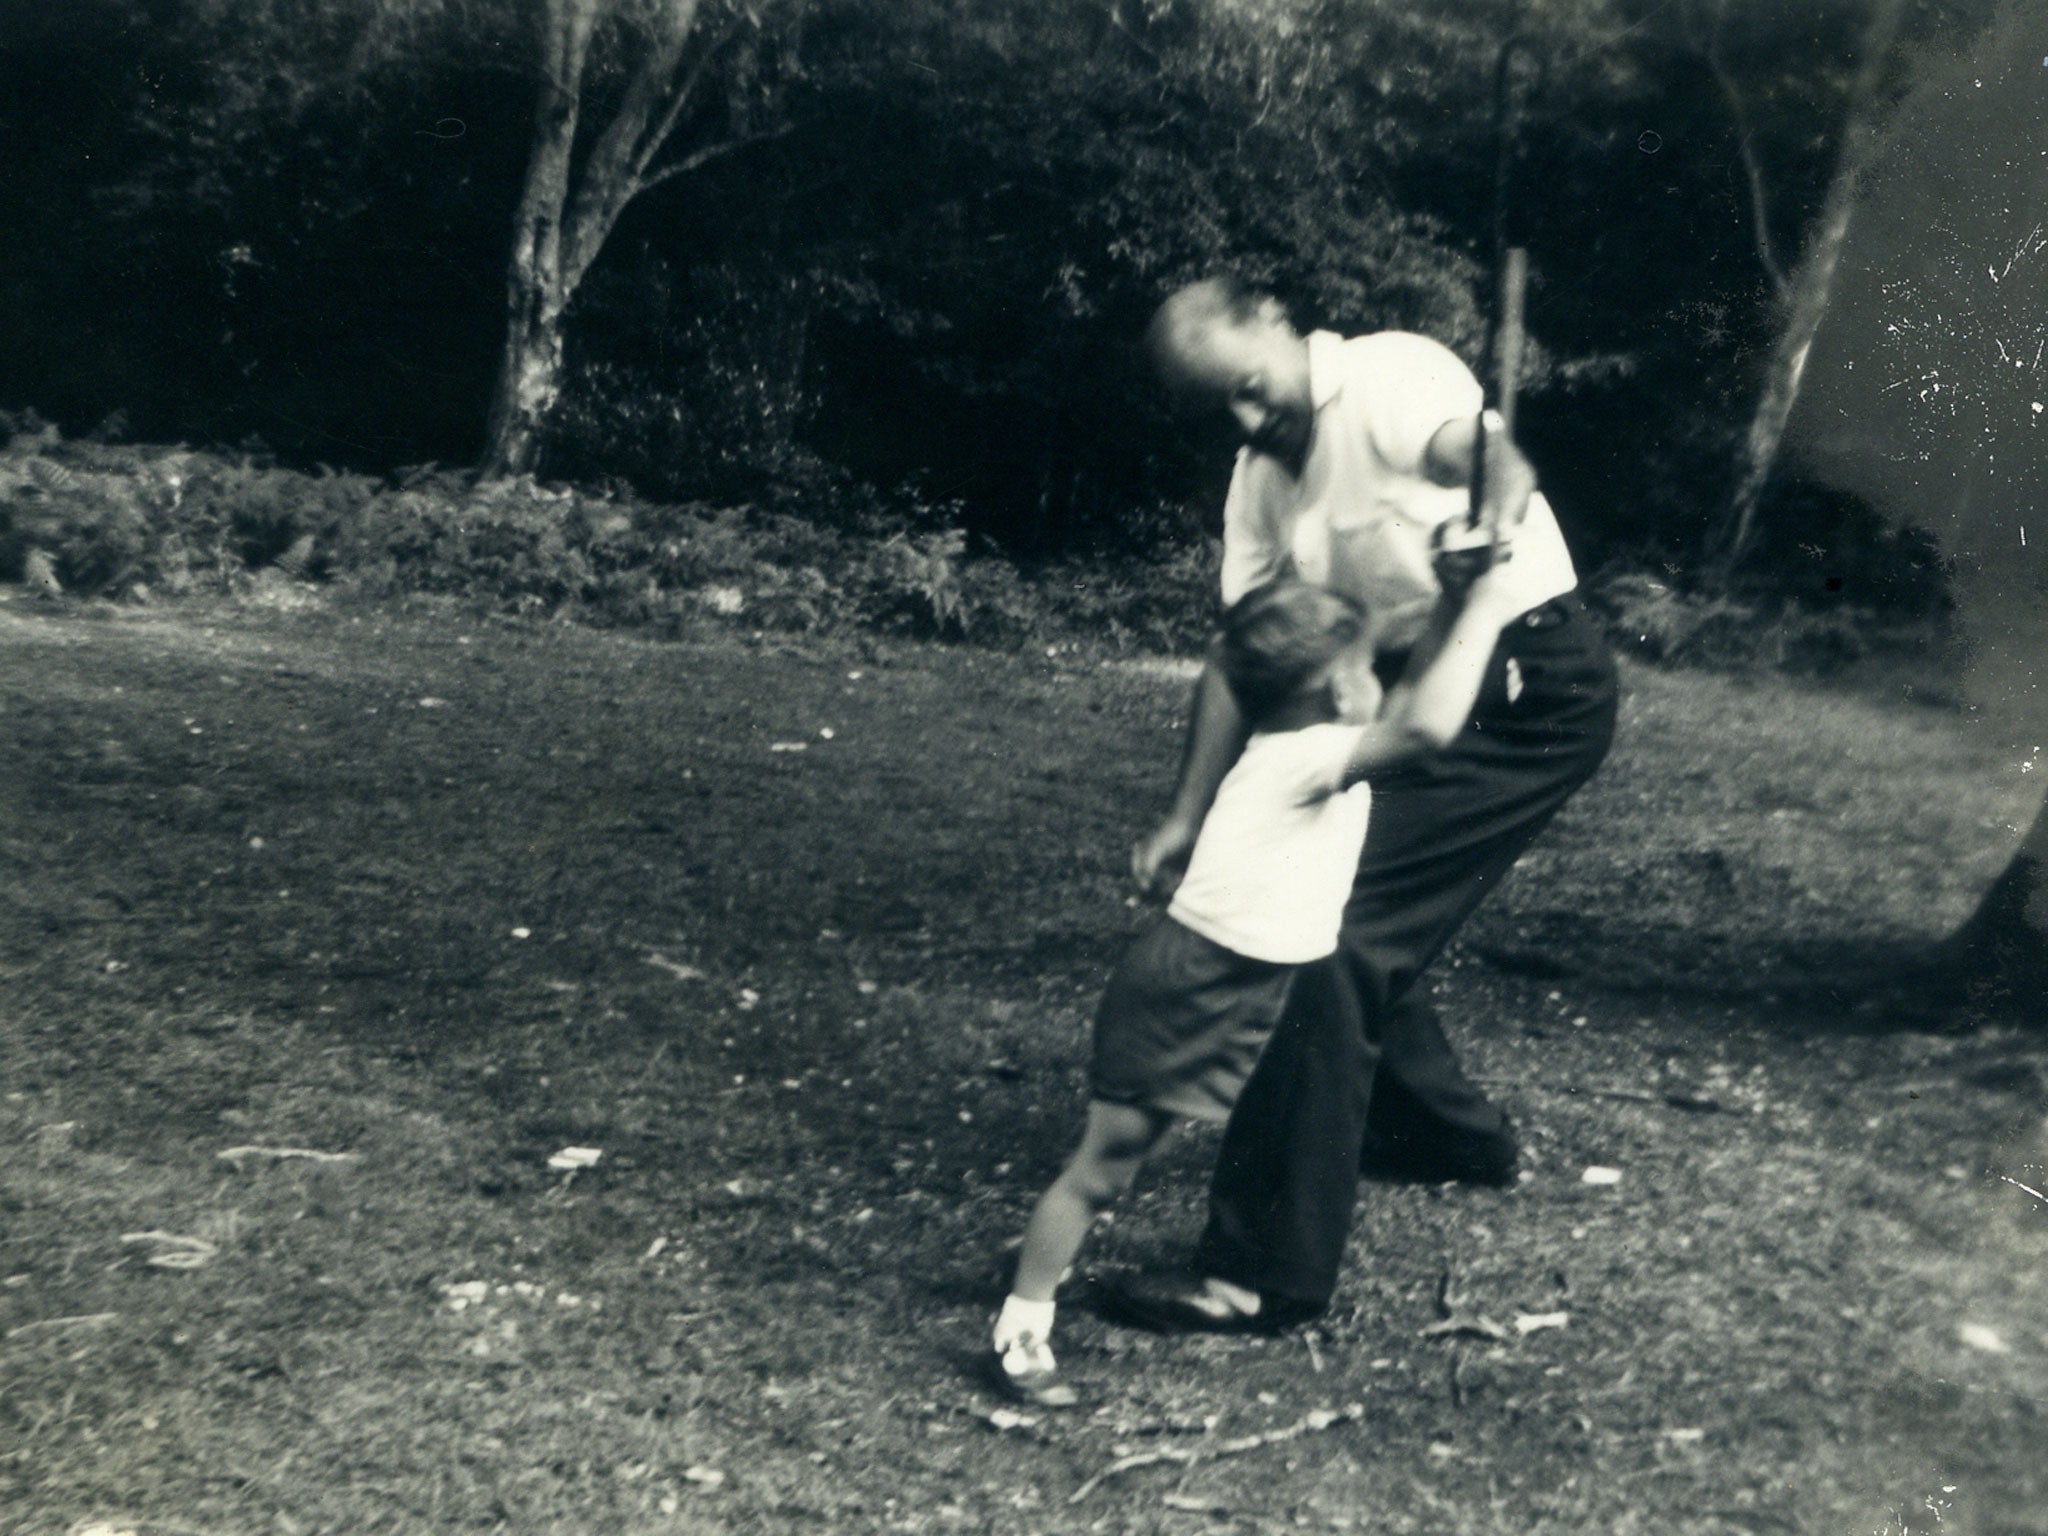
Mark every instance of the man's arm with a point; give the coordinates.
(1510, 479)
(1217, 732)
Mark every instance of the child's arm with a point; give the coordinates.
(1424, 711)
(1216, 735)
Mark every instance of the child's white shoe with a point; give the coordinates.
(1026, 1371)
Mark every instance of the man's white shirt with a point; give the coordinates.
(1361, 517)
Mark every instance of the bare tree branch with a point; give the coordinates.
(608, 181)
(1114, 10)
(1745, 143)
(1321, 1419)
(565, 43)
(679, 97)
(1812, 281)
(691, 162)
(566, 36)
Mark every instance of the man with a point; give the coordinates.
(1357, 457)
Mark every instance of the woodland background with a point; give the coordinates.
(363, 360)
(806, 313)
(898, 250)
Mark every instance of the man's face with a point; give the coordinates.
(1271, 420)
(1257, 371)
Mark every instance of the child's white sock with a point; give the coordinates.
(1020, 1317)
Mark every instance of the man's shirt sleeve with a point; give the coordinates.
(1414, 386)
(1254, 548)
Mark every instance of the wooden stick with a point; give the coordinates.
(79, 1321)
(1505, 338)
(1507, 363)
(281, 1154)
(1696, 1103)
(1322, 1418)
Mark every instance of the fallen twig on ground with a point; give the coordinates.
(79, 1321)
(125, 1527)
(1471, 1325)
(1200, 1426)
(1693, 1103)
(237, 1155)
(174, 1251)
(675, 968)
(1321, 1419)
(1457, 1317)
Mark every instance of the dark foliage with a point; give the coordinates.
(106, 520)
(285, 221)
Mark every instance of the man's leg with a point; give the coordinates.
(1529, 750)
(1440, 839)
(1426, 1119)
(1286, 1177)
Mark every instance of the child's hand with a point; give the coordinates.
(1458, 567)
(1462, 553)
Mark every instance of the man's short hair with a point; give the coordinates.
(1278, 636)
(1191, 312)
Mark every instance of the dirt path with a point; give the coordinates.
(802, 938)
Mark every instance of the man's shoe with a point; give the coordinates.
(1185, 1303)
(1490, 1161)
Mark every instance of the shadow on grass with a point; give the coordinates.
(1834, 985)
(453, 898)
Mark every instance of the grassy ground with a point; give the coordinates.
(803, 938)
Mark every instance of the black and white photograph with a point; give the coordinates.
(1023, 767)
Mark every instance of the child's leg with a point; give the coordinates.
(1117, 1140)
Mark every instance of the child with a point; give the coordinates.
(1186, 1012)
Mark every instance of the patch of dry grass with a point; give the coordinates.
(823, 1009)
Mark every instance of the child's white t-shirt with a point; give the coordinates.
(1273, 866)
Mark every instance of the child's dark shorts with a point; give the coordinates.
(1182, 1022)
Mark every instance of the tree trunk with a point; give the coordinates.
(530, 375)
(2001, 953)
(566, 213)
(1806, 305)
(529, 383)
(1805, 299)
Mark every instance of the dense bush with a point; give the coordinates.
(132, 522)
(115, 519)
(1659, 622)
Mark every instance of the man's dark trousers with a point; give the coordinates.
(1358, 1051)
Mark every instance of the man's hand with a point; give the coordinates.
(1159, 860)
(1465, 548)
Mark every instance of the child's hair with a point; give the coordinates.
(1279, 636)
